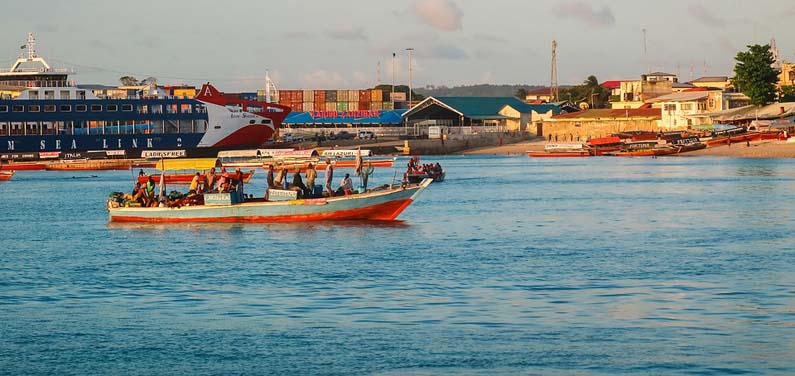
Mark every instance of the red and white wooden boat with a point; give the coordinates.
(6, 175)
(561, 151)
(23, 166)
(379, 204)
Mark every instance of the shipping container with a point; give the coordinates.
(353, 95)
(364, 106)
(376, 95)
(297, 96)
(297, 106)
(309, 106)
(309, 95)
(331, 95)
(385, 96)
(342, 95)
(364, 95)
(331, 106)
(342, 106)
(387, 106)
(376, 106)
(320, 95)
(353, 106)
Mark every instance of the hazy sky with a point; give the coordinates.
(339, 43)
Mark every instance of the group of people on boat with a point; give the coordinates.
(431, 170)
(305, 186)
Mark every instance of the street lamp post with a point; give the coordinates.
(392, 97)
(410, 50)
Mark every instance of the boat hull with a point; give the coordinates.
(184, 179)
(379, 206)
(563, 154)
(6, 175)
(24, 166)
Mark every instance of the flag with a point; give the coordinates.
(22, 47)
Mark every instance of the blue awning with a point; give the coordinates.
(390, 117)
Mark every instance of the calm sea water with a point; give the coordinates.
(512, 266)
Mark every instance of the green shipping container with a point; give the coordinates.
(342, 106)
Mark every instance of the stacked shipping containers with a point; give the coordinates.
(332, 100)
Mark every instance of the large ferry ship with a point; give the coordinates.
(51, 115)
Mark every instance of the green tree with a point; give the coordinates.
(128, 81)
(754, 75)
(521, 93)
(590, 91)
(787, 93)
(402, 89)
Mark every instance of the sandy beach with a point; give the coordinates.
(763, 149)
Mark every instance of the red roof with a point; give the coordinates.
(612, 84)
(612, 113)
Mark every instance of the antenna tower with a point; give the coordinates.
(776, 56)
(553, 85)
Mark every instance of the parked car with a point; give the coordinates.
(289, 137)
(342, 135)
(363, 135)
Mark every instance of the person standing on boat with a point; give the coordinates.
(210, 177)
(329, 176)
(311, 175)
(270, 176)
(238, 179)
(194, 184)
(150, 192)
(366, 175)
(277, 182)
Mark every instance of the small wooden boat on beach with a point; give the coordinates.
(381, 204)
(6, 175)
(561, 151)
(24, 166)
(653, 152)
(89, 165)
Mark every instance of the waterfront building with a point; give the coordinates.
(678, 108)
(716, 82)
(468, 115)
(582, 125)
(787, 75)
(634, 94)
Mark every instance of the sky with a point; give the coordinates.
(314, 44)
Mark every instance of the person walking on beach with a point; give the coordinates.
(329, 176)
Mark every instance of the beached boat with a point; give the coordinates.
(23, 166)
(652, 152)
(418, 178)
(561, 151)
(6, 175)
(378, 204)
(89, 165)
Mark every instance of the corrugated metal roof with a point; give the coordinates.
(711, 79)
(654, 113)
(491, 106)
(687, 96)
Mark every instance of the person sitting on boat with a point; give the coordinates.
(224, 181)
(277, 182)
(311, 175)
(298, 184)
(329, 176)
(141, 173)
(149, 199)
(270, 176)
(136, 195)
(194, 184)
(346, 185)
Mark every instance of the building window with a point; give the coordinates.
(33, 94)
(702, 106)
(687, 106)
(792, 75)
(126, 107)
(66, 108)
(16, 108)
(669, 107)
(96, 108)
(81, 108)
(49, 94)
(157, 108)
(49, 108)
(113, 107)
(34, 108)
(65, 94)
(143, 109)
(3, 108)
(81, 94)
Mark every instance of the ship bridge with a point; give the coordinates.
(33, 71)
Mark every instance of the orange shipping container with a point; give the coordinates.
(342, 95)
(364, 95)
(353, 106)
(320, 96)
(363, 106)
(376, 95)
(331, 106)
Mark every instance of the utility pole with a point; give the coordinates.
(392, 97)
(553, 84)
(645, 52)
(410, 50)
(378, 73)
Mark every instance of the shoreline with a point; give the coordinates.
(762, 149)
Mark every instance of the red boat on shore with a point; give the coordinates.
(6, 175)
(24, 166)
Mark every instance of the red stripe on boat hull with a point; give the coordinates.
(248, 135)
(383, 212)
